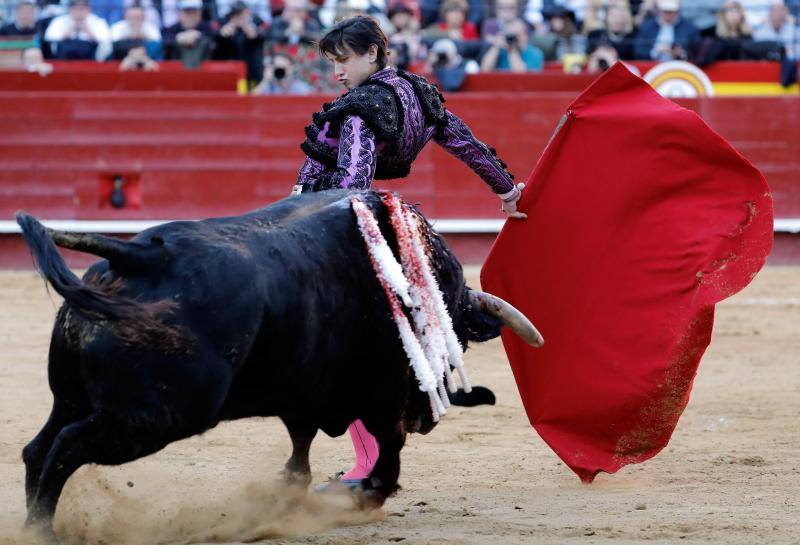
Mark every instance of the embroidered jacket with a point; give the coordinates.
(376, 130)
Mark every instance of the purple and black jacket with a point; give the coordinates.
(376, 130)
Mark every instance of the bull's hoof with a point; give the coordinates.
(40, 531)
(374, 493)
(296, 478)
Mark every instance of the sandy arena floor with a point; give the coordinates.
(731, 473)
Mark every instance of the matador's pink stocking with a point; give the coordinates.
(366, 449)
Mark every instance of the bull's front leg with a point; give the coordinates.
(298, 470)
(382, 482)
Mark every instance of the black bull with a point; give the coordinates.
(276, 312)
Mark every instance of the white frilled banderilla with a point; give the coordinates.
(431, 344)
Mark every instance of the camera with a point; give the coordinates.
(602, 64)
(512, 40)
(441, 59)
(139, 65)
(279, 72)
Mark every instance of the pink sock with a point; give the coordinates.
(366, 449)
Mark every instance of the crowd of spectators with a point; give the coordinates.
(451, 38)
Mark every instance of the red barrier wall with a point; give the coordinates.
(190, 155)
(106, 76)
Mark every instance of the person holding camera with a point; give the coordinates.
(405, 42)
(448, 66)
(241, 37)
(280, 79)
(294, 25)
(135, 33)
(510, 51)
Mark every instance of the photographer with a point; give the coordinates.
(280, 79)
(134, 32)
(601, 59)
(511, 50)
(294, 25)
(448, 66)
(405, 43)
(241, 38)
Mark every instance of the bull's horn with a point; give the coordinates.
(507, 314)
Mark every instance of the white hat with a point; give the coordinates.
(190, 4)
(669, 5)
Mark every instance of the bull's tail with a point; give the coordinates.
(132, 321)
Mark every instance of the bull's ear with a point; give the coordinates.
(481, 326)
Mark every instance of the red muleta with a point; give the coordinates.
(641, 219)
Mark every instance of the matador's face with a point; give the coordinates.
(352, 69)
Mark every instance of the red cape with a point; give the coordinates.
(641, 218)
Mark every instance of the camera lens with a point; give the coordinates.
(602, 64)
(280, 72)
(441, 58)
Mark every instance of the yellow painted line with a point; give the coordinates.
(741, 88)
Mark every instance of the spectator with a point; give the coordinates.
(617, 34)
(190, 39)
(241, 37)
(280, 79)
(24, 21)
(667, 36)
(294, 25)
(597, 13)
(33, 61)
(405, 43)
(731, 32)
(511, 51)
(562, 39)
(431, 10)
(454, 25)
(79, 34)
(134, 32)
(779, 28)
(449, 68)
